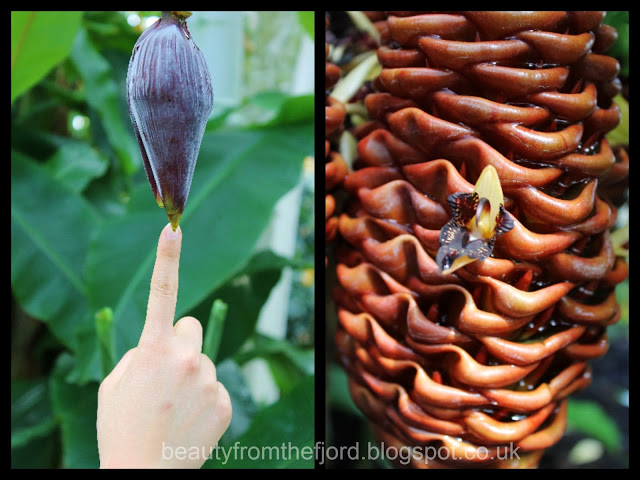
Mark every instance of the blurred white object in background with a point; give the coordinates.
(250, 52)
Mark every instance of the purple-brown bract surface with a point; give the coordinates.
(170, 97)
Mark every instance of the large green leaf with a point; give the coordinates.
(31, 415)
(287, 362)
(307, 21)
(245, 296)
(237, 181)
(337, 386)
(620, 134)
(280, 436)
(39, 41)
(90, 365)
(111, 30)
(41, 452)
(103, 95)
(263, 346)
(76, 408)
(270, 108)
(77, 163)
(244, 408)
(50, 228)
(589, 418)
(620, 49)
(294, 110)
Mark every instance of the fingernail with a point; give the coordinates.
(171, 235)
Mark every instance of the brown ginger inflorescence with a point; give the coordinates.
(478, 362)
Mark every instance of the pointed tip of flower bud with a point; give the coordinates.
(174, 219)
(173, 211)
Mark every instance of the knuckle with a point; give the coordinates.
(165, 288)
(210, 390)
(225, 409)
(189, 362)
(210, 381)
(207, 363)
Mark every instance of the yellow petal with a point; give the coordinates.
(488, 186)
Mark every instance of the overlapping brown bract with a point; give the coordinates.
(481, 362)
(335, 166)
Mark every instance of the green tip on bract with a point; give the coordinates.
(158, 197)
(174, 219)
(174, 213)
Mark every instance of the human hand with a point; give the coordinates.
(162, 406)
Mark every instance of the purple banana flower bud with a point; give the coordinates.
(170, 98)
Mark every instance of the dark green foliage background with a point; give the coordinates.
(85, 225)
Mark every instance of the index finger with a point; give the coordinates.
(163, 293)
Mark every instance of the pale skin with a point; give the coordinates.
(162, 405)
